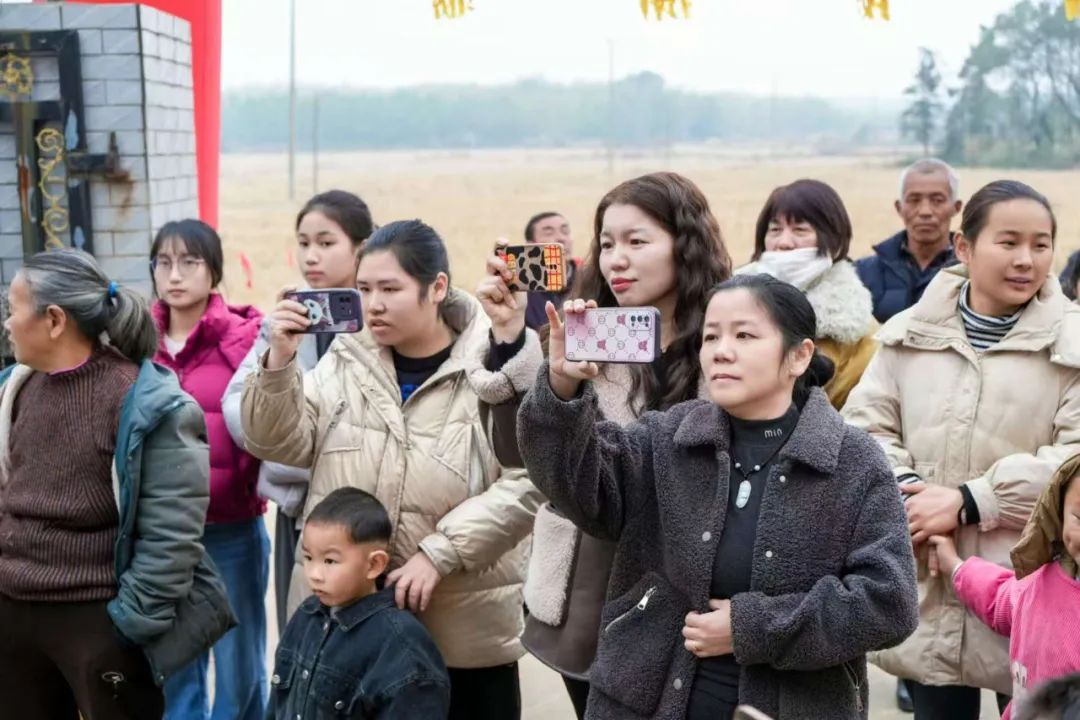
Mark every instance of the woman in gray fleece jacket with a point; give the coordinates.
(762, 548)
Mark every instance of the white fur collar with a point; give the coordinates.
(843, 305)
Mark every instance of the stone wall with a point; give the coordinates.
(136, 70)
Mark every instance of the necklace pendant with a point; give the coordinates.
(744, 494)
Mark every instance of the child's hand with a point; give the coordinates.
(943, 556)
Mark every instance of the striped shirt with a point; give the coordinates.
(984, 331)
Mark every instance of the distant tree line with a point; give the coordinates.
(1017, 100)
(637, 111)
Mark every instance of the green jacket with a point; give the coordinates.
(170, 600)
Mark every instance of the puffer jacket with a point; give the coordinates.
(170, 598)
(567, 582)
(845, 325)
(427, 460)
(205, 365)
(999, 422)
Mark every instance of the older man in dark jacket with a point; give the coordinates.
(902, 266)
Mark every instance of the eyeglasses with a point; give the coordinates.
(186, 265)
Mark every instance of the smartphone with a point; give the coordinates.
(536, 268)
(614, 335)
(334, 310)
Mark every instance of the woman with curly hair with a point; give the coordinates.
(655, 243)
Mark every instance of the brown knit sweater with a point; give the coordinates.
(58, 514)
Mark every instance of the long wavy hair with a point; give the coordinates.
(701, 261)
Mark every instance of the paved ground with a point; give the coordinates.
(544, 697)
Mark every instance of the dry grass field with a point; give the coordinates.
(473, 197)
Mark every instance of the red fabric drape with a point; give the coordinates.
(205, 19)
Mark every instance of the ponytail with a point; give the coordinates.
(73, 281)
(818, 374)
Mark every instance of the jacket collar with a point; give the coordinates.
(350, 616)
(463, 315)
(843, 305)
(213, 330)
(895, 249)
(934, 323)
(1043, 538)
(815, 442)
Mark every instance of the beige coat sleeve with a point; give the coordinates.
(1006, 494)
(279, 413)
(874, 406)
(475, 534)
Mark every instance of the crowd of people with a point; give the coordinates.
(829, 461)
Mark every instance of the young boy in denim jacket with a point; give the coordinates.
(348, 651)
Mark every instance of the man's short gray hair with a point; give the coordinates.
(931, 166)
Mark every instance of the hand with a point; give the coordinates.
(506, 309)
(565, 376)
(943, 556)
(709, 634)
(287, 323)
(931, 510)
(414, 582)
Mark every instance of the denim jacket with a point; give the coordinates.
(364, 661)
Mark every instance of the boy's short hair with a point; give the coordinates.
(1058, 699)
(357, 511)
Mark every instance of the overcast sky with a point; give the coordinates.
(790, 47)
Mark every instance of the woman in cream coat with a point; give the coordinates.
(389, 410)
(975, 397)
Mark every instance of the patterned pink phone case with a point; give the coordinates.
(613, 335)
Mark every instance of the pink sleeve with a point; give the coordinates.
(989, 591)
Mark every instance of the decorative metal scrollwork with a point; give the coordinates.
(16, 75)
(451, 8)
(54, 220)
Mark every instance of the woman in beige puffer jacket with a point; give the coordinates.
(984, 430)
(425, 457)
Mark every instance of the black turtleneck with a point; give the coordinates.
(753, 443)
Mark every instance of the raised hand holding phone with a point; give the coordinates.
(506, 309)
(565, 376)
(288, 321)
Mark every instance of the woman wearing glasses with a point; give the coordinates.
(203, 340)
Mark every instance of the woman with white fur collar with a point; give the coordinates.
(802, 237)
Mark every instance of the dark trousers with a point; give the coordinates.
(578, 690)
(58, 660)
(492, 693)
(286, 536)
(949, 702)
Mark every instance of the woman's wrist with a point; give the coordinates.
(508, 333)
(565, 388)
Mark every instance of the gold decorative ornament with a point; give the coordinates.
(54, 220)
(16, 75)
(669, 8)
(451, 9)
(875, 8)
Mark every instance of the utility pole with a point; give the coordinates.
(292, 100)
(315, 145)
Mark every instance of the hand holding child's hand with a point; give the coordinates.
(414, 582)
(943, 556)
(709, 634)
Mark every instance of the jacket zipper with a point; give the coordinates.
(640, 607)
(854, 677)
(335, 416)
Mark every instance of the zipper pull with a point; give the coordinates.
(644, 602)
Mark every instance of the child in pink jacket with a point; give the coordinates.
(1038, 606)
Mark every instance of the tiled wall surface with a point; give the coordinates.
(136, 67)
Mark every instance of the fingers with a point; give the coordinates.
(416, 594)
(576, 307)
(553, 316)
(285, 291)
(693, 620)
(934, 563)
(401, 590)
(718, 604)
(425, 595)
(920, 537)
(496, 266)
(913, 488)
